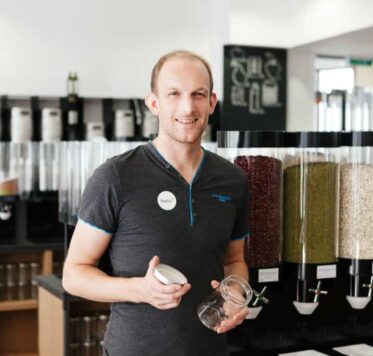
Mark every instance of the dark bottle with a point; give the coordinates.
(73, 123)
(4, 119)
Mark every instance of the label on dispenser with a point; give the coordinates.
(268, 275)
(326, 271)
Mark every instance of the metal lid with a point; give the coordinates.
(169, 275)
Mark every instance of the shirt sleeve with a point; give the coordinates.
(241, 226)
(100, 200)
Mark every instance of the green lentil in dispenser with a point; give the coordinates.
(310, 212)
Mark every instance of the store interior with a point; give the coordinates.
(294, 82)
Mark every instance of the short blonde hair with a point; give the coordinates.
(178, 54)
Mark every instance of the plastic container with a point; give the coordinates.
(356, 198)
(311, 193)
(356, 217)
(82, 158)
(259, 154)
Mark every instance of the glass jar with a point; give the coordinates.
(311, 193)
(232, 295)
(259, 154)
(24, 290)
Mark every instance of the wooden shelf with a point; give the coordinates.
(15, 305)
(19, 354)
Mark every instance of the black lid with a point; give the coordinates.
(242, 139)
(312, 139)
(362, 138)
(290, 139)
(346, 138)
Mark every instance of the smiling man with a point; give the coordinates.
(157, 203)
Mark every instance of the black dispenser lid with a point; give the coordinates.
(312, 139)
(346, 138)
(248, 139)
(362, 138)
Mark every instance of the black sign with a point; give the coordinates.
(254, 88)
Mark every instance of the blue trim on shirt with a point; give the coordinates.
(160, 156)
(190, 188)
(96, 227)
(190, 196)
(241, 237)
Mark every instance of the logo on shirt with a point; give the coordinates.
(221, 198)
(166, 200)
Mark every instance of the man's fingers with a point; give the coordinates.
(153, 262)
(175, 301)
(168, 306)
(229, 324)
(171, 293)
(215, 284)
(240, 316)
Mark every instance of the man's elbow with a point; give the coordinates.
(67, 281)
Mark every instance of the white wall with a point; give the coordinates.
(111, 44)
(301, 81)
(289, 23)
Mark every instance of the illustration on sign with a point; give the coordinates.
(255, 81)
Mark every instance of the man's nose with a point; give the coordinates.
(186, 104)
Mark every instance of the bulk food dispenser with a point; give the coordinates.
(356, 217)
(311, 191)
(259, 155)
(9, 190)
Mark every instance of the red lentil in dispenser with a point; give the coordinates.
(259, 154)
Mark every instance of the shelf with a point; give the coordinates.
(20, 354)
(28, 246)
(14, 305)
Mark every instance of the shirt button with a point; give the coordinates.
(193, 201)
(167, 166)
(194, 214)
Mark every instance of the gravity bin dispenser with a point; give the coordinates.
(356, 217)
(311, 193)
(28, 194)
(259, 155)
(81, 158)
(28, 172)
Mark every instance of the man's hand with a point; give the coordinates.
(233, 321)
(159, 295)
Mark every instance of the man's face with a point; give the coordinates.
(182, 100)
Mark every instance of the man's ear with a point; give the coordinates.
(213, 101)
(151, 102)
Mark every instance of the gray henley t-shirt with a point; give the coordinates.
(151, 210)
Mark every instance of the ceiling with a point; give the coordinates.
(290, 23)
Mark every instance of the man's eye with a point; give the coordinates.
(173, 93)
(200, 94)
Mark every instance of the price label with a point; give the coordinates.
(327, 271)
(268, 275)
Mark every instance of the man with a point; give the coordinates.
(162, 202)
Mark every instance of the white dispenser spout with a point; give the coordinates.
(358, 302)
(305, 308)
(253, 312)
